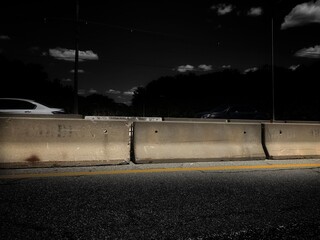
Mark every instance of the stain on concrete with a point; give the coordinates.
(33, 159)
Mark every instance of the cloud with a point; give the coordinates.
(112, 91)
(253, 69)
(79, 71)
(92, 91)
(81, 92)
(204, 67)
(294, 67)
(312, 52)
(185, 68)
(255, 11)
(4, 37)
(223, 9)
(190, 68)
(302, 14)
(84, 92)
(69, 54)
(226, 66)
(130, 92)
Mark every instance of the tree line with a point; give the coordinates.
(294, 93)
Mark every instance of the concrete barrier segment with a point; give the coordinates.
(194, 141)
(292, 140)
(48, 142)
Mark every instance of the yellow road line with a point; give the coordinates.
(158, 170)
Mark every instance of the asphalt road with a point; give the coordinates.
(196, 204)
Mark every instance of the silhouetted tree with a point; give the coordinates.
(99, 105)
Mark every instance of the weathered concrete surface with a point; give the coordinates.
(190, 141)
(42, 142)
(292, 140)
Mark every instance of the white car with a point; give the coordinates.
(25, 106)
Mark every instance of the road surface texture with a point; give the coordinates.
(197, 203)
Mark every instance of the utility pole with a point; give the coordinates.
(272, 72)
(76, 62)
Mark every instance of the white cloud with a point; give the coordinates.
(190, 68)
(92, 91)
(294, 67)
(69, 54)
(255, 11)
(223, 9)
(112, 91)
(204, 67)
(185, 68)
(4, 37)
(253, 69)
(79, 71)
(226, 66)
(312, 52)
(130, 92)
(302, 14)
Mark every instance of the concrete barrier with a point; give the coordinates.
(170, 119)
(60, 142)
(132, 119)
(292, 140)
(191, 141)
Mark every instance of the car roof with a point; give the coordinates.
(20, 99)
(39, 105)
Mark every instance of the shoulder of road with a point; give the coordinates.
(133, 168)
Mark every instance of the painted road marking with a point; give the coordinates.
(162, 170)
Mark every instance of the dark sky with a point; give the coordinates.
(126, 44)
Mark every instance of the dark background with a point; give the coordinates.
(149, 57)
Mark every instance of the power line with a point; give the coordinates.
(120, 27)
